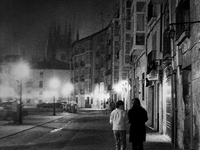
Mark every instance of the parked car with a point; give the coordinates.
(49, 105)
(64, 106)
(73, 106)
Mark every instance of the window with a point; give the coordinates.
(128, 14)
(166, 45)
(62, 57)
(140, 6)
(128, 25)
(127, 47)
(128, 4)
(140, 38)
(140, 22)
(182, 15)
(41, 73)
(151, 11)
(41, 84)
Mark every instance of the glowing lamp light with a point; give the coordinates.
(21, 70)
(118, 88)
(67, 89)
(122, 85)
(54, 83)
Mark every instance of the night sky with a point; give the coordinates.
(24, 24)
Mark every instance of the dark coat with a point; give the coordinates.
(137, 118)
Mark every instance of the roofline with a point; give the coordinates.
(90, 36)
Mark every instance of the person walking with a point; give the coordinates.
(119, 119)
(107, 108)
(137, 118)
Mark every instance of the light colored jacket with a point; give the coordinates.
(119, 119)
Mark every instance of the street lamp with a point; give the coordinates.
(54, 84)
(20, 71)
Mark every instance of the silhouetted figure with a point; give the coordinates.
(118, 118)
(137, 117)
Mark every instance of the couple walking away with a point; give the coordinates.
(137, 117)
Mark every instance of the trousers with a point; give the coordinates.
(120, 139)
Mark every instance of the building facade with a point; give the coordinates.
(36, 88)
(81, 69)
(125, 46)
(168, 87)
(100, 50)
(115, 45)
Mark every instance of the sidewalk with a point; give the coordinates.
(156, 141)
(8, 128)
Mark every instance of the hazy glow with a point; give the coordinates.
(67, 89)
(99, 94)
(121, 86)
(20, 70)
(47, 94)
(7, 92)
(117, 88)
(54, 83)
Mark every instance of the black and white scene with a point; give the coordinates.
(99, 74)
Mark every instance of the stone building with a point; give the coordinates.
(125, 42)
(171, 77)
(8, 83)
(184, 24)
(94, 79)
(59, 43)
(137, 73)
(90, 68)
(115, 45)
(81, 69)
(37, 89)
